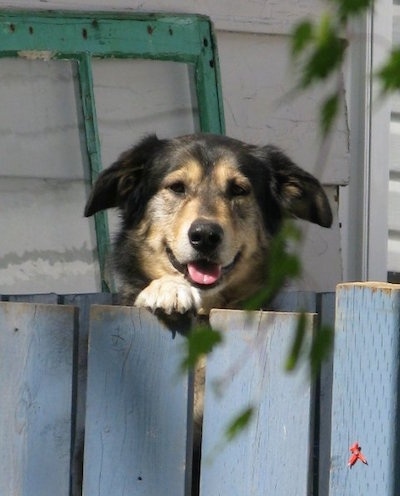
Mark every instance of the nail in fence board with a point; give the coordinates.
(137, 423)
(365, 398)
(271, 456)
(36, 364)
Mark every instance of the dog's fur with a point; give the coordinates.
(198, 213)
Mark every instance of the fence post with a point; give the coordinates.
(83, 302)
(365, 398)
(36, 371)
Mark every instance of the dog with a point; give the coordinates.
(198, 213)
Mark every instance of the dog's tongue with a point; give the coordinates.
(204, 272)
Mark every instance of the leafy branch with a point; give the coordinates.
(318, 51)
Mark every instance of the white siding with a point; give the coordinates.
(46, 245)
(265, 16)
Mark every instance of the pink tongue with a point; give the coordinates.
(204, 272)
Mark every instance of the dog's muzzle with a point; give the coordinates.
(202, 273)
(205, 237)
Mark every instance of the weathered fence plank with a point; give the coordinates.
(272, 456)
(365, 401)
(322, 440)
(295, 301)
(137, 426)
(83, 302)
(50, 298)
(36, 370)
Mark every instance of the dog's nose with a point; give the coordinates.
(205, 236)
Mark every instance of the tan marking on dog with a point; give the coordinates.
(190, 173)
(226, 170)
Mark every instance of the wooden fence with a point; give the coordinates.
(81, 379)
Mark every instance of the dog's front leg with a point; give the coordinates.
(170, 294)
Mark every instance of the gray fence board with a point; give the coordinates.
(365, 401)
(272, 456)
(295, 301)
(50, 298)
(36, 367)
(326, 316)
(137, 423)
(83, 302)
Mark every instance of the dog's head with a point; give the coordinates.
(205, 206)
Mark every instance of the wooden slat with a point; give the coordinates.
(83, 302)
(137, 424)
(366, 388)
(272, 456)
(36, 370)
(326, 313)
(48, 298)
(295, 301)
(324, 305)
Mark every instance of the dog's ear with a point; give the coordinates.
(114, 184)
(299, 193)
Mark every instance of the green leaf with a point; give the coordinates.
(326, 57)
(322, 346)
(239, 423)
(280, 266)
(298, 343)
(352, 8)
(199, 342)
(329, 111)
(389, 74)
(301, 37)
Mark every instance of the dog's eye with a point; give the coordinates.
(178, 187)
(236, 189)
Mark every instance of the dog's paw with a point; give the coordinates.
(170, 294)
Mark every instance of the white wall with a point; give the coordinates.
(42, 138)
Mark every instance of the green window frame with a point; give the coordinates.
(80, 36)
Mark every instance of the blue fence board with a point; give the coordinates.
(137, 424)
(273, 455)
(365, 402)
(36, 370)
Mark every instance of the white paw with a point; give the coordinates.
(170, 294)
